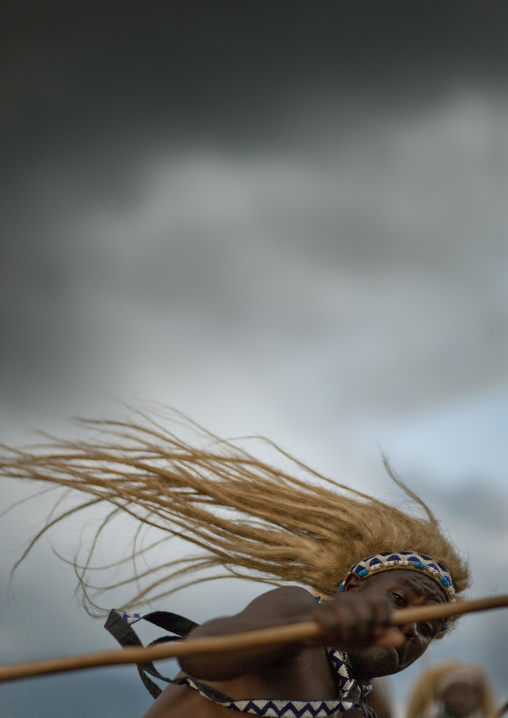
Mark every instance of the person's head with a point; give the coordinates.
(378, 537)
(462, 693)
(402, 588)
(455, 688)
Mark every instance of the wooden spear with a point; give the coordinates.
(219, 644)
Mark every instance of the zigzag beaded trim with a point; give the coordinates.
(353, 694)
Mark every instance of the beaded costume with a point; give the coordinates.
(352, 692)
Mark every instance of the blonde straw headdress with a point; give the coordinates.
(247, 517)
(427, 693)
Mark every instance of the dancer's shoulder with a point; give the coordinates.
(281, 602)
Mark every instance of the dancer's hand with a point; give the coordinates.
(352, 620)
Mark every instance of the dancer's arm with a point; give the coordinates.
(347, 621)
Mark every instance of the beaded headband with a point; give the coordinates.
(410, 560)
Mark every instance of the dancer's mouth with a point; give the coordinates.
(400, 651)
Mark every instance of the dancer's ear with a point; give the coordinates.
(352, 582)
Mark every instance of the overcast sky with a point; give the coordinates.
(277, 218)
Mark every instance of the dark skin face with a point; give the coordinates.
(399, 588)
(463, 696)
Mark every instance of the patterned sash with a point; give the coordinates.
(352, 696)
(352, 692)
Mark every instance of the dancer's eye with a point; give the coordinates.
(427, 629)
(399, 599)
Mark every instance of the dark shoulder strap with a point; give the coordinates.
(119, 624)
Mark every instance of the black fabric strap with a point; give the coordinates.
(120, 629)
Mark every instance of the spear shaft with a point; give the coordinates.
(219, 644)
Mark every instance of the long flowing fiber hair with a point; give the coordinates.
(247, 517)
(429, 689)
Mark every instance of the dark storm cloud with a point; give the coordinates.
(348, 255)
(226, 68)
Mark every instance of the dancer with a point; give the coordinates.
(452, 690)
(254, 520)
